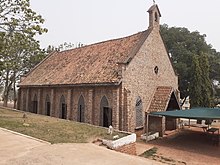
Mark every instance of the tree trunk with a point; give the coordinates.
(5, 95)
(15, 93)
(5, 104)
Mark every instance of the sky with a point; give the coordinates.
(92, 21)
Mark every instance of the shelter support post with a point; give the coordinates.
(147, 127)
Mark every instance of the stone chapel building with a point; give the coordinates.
(116, 82)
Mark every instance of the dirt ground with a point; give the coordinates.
(189, 146)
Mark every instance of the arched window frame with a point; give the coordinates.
(139, 123)
(35, 104)
(156, 17)
(105, 110)
(47, 105)
(63, 108)
(81, 109)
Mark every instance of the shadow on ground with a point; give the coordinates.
(191, 140)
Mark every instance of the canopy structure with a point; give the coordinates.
(195, 113)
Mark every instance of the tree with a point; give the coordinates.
(17, 16)
(19, 50)
(63, 47)
(214, 61)
(206, 85)
(20, 54)
(195, 88)
(200, 90)
(183, 45)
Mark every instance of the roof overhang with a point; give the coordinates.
(72, 85)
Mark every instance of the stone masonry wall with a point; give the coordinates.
(92, 98)
(140, 79)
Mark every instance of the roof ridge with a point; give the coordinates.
(97, 62)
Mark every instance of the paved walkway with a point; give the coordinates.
(19, 150)
(14, 146)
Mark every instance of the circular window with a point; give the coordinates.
(156, 69)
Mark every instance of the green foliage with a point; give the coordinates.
(50, 49)
(217, 99)
(17, 16)
(19, 51)
(19, 55)
(200, 85)
(214, 60)
(206, 85)
(191, 57)
(63, 47)
(150, 152)
(52, 129)
(196, 83)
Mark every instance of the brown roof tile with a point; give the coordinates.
(92, 64)
(161, 99)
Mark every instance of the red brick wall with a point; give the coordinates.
(128, 149)
(92, 98)
(139, 132)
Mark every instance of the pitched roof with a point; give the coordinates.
(152, 8)
(161, 99)
(92, 64)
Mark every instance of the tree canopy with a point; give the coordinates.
(17, 16)
(19, 51)
(195, 62)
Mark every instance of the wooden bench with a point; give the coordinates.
(214, 137)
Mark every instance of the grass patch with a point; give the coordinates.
(149, 153)
(51, 129)
(152, 154)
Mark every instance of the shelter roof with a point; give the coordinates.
(195, 113)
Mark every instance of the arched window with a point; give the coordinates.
(156, 17)
(47, 105)
(139, 112)
(81, 110)
(105, 113)
(63, 108)
(34, 104)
